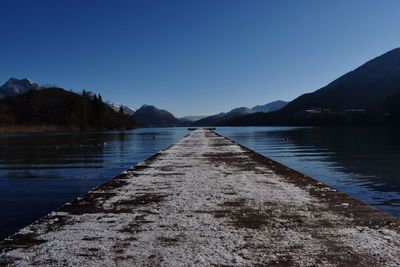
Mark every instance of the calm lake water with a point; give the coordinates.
(364, 162)
(40, 172)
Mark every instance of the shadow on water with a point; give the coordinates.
(40, 172)
(361, 161)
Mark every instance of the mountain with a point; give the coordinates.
(117, 107)
(358, 93)
(60, 109)
(15, 87)
(193, 118)
(150, 116)
(364, 87)
(391, 108)
(210, 120)
(238, 111)
(217, 118)
(273, 106)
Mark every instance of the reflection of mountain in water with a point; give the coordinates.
(372, 153)
(362, 161)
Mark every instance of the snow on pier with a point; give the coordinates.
(206, 201)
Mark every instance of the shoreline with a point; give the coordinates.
(50, 129)
(55, 128)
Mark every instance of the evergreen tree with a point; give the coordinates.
(57, 107)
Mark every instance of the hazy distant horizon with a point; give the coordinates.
(193, 57)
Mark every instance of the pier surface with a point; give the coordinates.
(206, 201)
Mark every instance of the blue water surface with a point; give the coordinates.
(39, 172)
(364, 162)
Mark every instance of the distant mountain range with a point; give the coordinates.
(357, 96)
(368, 94)
(150, 116)
(117, 107)
(270, 107)
(193, 118)
(220, 117)
(147, 115)
(15, 87)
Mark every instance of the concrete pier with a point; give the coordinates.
(207, 201)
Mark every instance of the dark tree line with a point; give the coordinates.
(391, 107)
(55, 106)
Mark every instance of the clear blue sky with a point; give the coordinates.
(193, 57)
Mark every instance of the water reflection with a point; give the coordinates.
(40, 172)
(362, 161)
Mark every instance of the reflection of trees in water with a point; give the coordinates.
(33, 174)
(122, 139)
(80, 161)
(372, 153)
(47, 151)
(361, 161)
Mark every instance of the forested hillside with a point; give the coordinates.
(57, 107)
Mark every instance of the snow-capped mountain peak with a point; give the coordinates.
(115, 106)
(16, 86)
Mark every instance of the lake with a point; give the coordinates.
(39, 172)
(364, 162)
